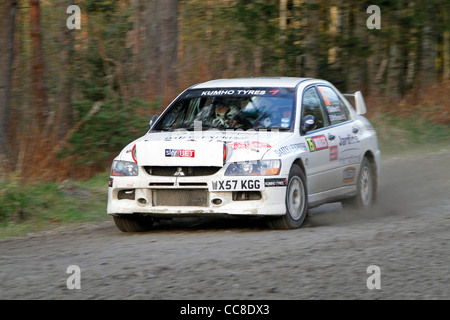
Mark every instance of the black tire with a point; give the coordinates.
(365, 189)
(296, 202)
(133, 223)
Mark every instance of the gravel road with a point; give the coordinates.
(406, 236)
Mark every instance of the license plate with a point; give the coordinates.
(236, 185)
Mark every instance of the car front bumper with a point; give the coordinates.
(194, 196)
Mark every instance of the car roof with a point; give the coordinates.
(261, 82)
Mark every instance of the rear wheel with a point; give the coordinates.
(133, 223)
(296, 202)
(365, 188)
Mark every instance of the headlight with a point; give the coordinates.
(254, 168)
(124, 168)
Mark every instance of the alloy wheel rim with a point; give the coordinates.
(296, 198)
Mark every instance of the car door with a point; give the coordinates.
(321, 142)
(345, 146)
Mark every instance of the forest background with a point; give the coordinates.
(71, 99)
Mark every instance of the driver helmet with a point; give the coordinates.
(221, 107)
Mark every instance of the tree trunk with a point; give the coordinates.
(169, 50)
(37, 75)
(394, 69)
(283, 18)
(446, 48)
(7, 24)
(155, 49)
(428, 56)
(136, 40)
(65, 114)
(333, 28)
(311, 42)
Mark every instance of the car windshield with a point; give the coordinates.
(231, 108)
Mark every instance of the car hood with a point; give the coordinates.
(207, 148)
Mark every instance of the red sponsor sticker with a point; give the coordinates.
(186, 153)
(249, 145)
(320, 142)
(333, 153)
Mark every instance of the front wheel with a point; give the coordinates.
(133, 223)
(296, 202)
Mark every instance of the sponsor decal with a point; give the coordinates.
(333, 109)
(182, 153)
(337, 117)
(229, 134)
(320, 142)
(333, 153)
(349, 159)
(275, 182)
(235, 92)
(348, 140)
(248, 145)
(317, 143)
(290, 148)
(349, 174)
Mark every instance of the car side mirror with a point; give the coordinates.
(153, 120)
(308, 123)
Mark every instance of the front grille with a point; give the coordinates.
(180, 197)
(181, 171)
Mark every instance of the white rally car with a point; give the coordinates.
(259, 147)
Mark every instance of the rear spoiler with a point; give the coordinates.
(360, 105)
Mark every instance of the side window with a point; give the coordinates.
(337, 111)
(311, 105)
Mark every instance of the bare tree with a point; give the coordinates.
(38, 85)
(7, 25)
(311, 41)
(65, 114)
(446, 47)
(155, 48)
(169, 49)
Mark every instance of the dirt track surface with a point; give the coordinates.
(406, 236)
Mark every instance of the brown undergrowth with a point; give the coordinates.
(430, 103)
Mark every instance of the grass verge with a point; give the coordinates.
(27, 208)
(398, 136)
